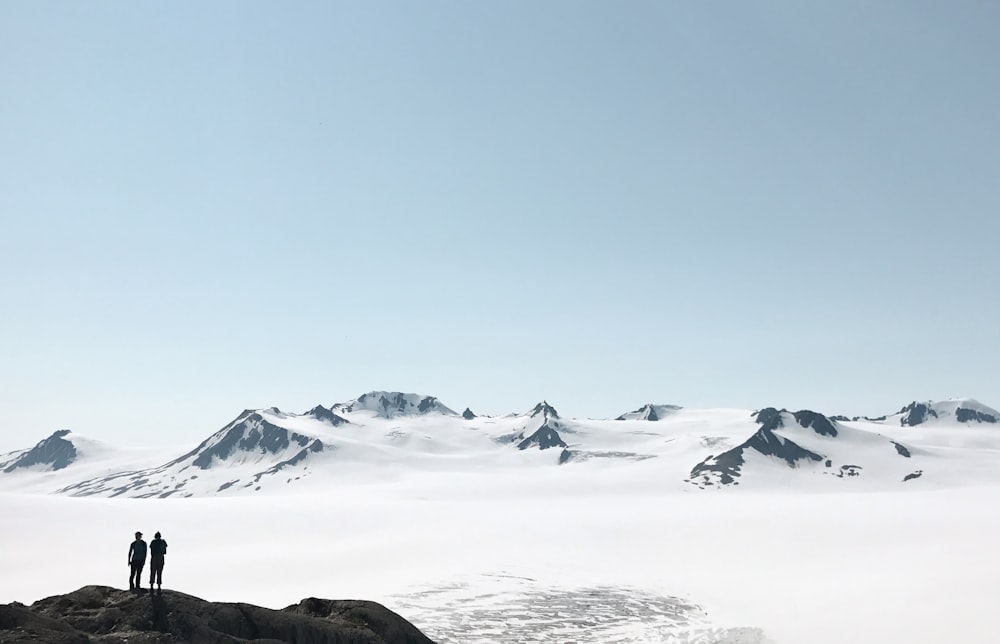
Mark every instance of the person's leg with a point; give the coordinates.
(135, 580)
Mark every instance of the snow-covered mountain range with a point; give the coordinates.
(383, 434)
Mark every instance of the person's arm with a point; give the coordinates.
(131, 549)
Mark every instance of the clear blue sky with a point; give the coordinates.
(213, 206)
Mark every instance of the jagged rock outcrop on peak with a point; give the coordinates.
(646, 412)
(650, 412)
(55, 452)
(394, 403)
(468, 414)
(545, 409)
(99, 614)
(322, 413)
(770, 419)
(916, 413)
(817, 422)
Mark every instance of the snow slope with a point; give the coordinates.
(67, 456)
(538, 527)
(383, 435)
(479, 557)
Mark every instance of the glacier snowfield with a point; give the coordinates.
(536, 527)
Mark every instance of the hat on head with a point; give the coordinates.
(138, 534)
(157, 535)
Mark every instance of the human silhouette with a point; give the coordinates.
(136, 561)
(157, 552)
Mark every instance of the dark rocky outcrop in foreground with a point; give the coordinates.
(101, 614)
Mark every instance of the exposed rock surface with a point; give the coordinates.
(322, 413)
(250, 438)
(650, 412)
(916, 413)
(394, 403)
(102, 614)
(725, 468)
(55, 452)
(544, 437)
(963, 410)
(963, 415)
(545, 409)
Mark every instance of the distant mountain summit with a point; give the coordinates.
(251, 437)
(649, 411)
(269, 450)
(544, 409)
(540, 431)
(963, 410)
(52, 453)
(252, 446)
(801, 439)
(726, 468)
(393, 403)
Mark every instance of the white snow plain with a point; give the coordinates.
(508, 546)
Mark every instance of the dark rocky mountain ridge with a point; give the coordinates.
(250, 435)
(54, 451)
(726, 468)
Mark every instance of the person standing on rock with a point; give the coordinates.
(157, 551)
(136, 561)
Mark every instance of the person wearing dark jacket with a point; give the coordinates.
(136, 562)
(157, 551)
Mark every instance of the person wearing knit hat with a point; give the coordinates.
(157, 551)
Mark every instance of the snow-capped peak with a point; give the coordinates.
(545, 409)
(394, 403)
(54, 453)
(963, 410)
(649, 411)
